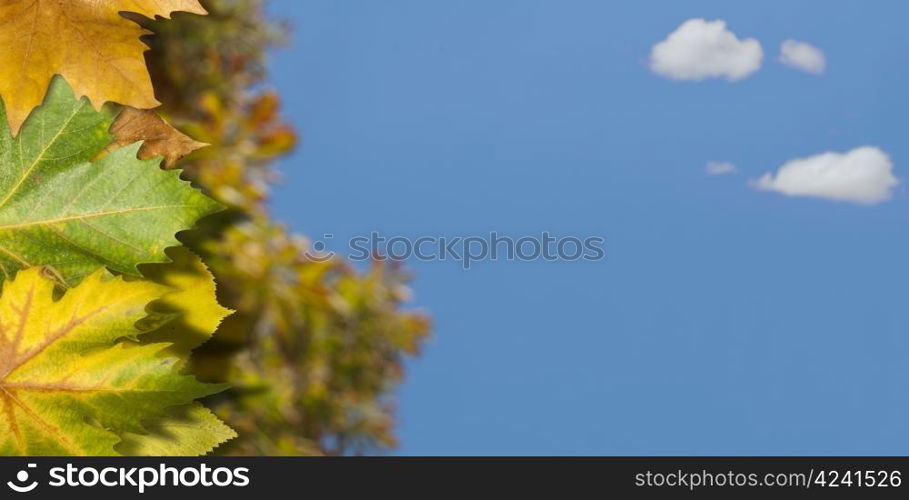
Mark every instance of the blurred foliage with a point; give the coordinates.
(315, 349)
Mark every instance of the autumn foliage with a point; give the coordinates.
(112, 337)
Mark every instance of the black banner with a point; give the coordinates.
(391, 477)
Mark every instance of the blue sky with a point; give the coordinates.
(724, 320)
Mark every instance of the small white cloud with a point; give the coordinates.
(700, 49)
(721, 168)
(803, 56)
(863, 175)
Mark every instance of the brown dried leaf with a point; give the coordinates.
(161, 139)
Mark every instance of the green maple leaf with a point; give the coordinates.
(61, 209)
(73, 383)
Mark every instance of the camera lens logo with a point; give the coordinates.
(317, 252)
(21, 478)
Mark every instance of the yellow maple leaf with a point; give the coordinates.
(87, 41)
(72, 380)
(191, 312)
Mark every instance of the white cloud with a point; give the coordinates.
(863, 175)
(700, 49)
(803, 56)
(721, 168)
